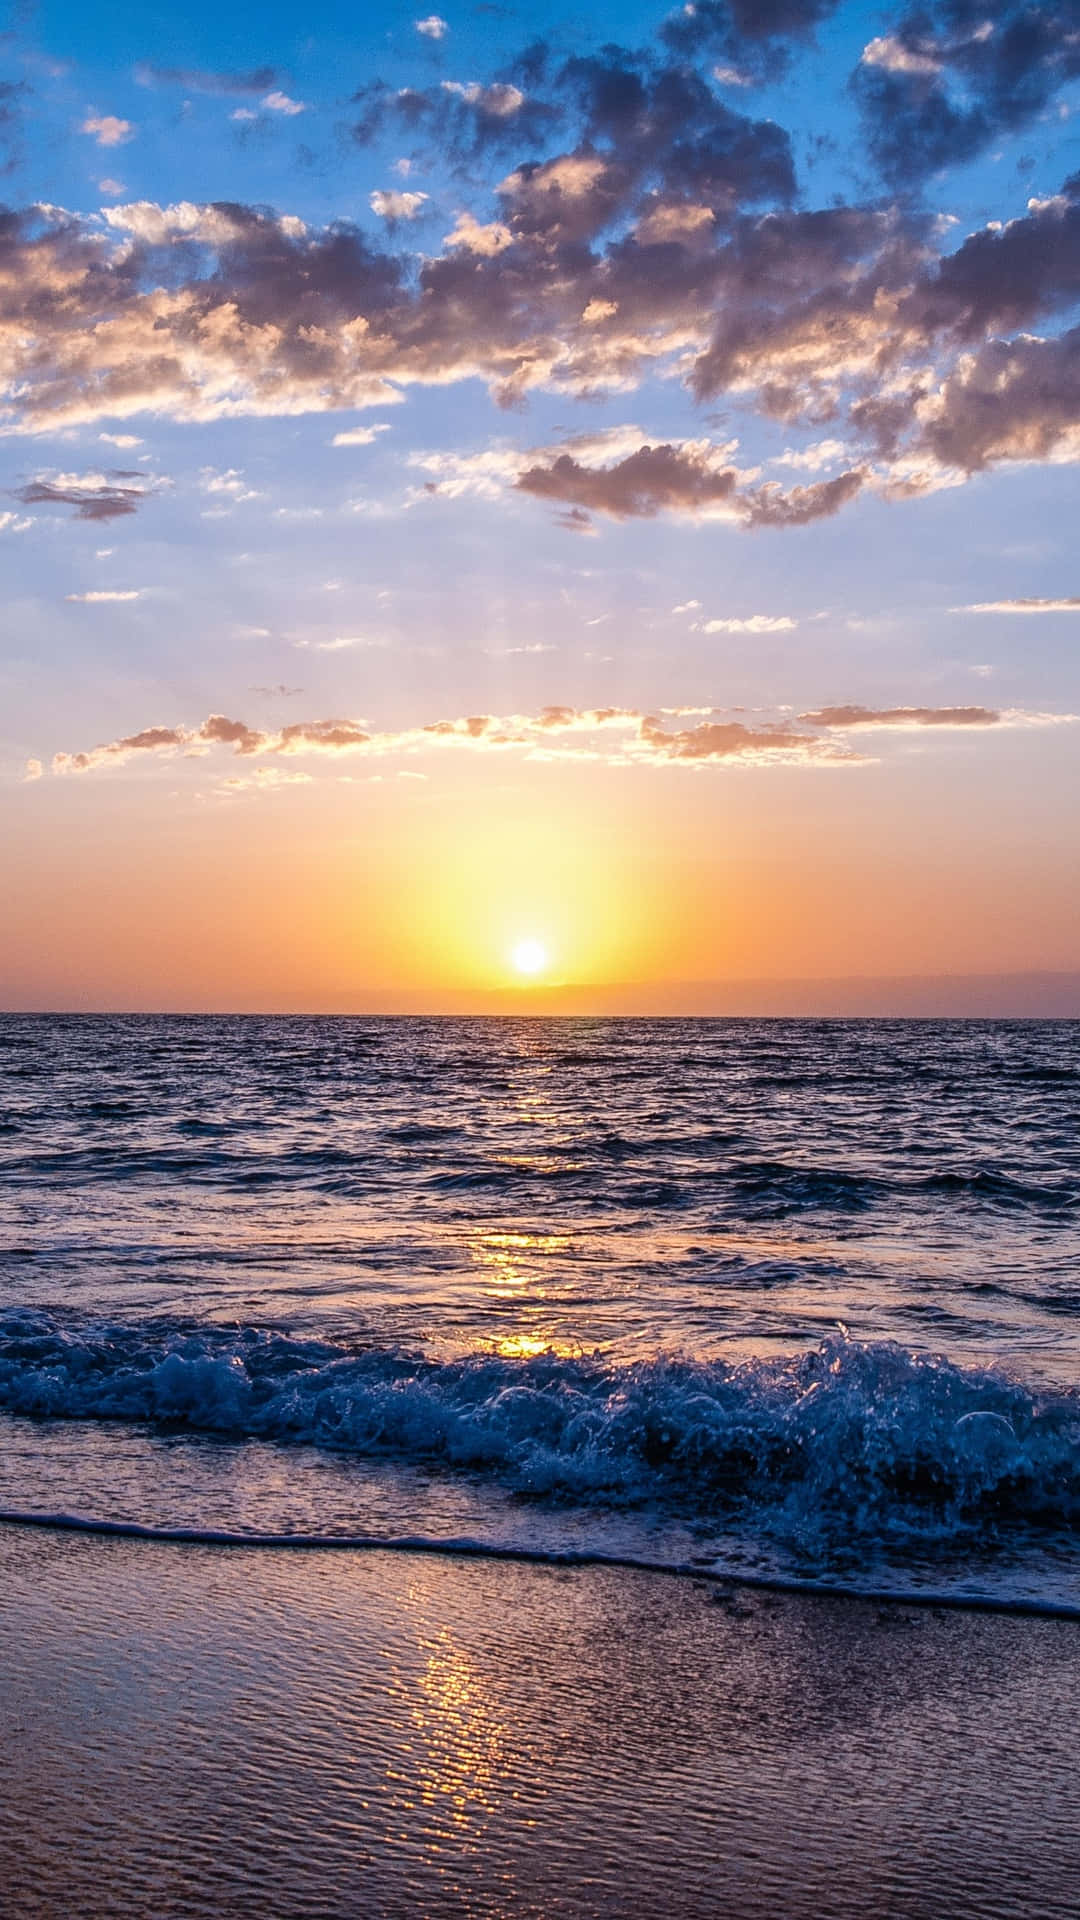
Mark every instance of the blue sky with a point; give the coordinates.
(634, 399)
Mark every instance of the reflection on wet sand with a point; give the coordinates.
(332, 1736)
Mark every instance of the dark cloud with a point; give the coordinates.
(634, 124)
(852, 717)
(1012, 400)
(461, 121)
(220, 731)
(12, 96)
(755, 36)
(953, 76)
(202, 80)
(335, 736)
(662, 125)
(723, 740)
(94, 496)
(691, 478)
(650, 481)
(643, 226)
(772, 506)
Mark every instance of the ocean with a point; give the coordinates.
(791, 1300)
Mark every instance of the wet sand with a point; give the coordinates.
(186, 1731)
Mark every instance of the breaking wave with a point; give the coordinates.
(861, 1439)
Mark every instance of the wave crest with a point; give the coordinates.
(864, 1437)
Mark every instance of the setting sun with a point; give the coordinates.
(530, 956)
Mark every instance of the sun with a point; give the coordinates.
(529, 956)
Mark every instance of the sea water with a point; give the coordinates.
(794, 1299)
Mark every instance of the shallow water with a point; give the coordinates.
(797, 1295)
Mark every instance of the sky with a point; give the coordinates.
(524, 509)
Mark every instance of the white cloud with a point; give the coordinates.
(34, 770)
(391, 205)
(359, 436)
(121, 439)
(500, 100)
(106, 129)
(14, 522)
(230, 482)
(1069, 604)
(824, 453)
(687, 606)
(478, 237)
(278, 102)
(433, 27)
(111, 186)
(893, 56)
(102, 594)
(754, 623)
(343, 644)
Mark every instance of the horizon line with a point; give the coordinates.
(1030, 994)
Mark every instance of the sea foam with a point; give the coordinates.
(864, 1438)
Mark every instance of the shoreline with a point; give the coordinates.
(467, 1548)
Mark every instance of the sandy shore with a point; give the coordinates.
(194, 1732)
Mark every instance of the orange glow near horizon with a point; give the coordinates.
(414, 897)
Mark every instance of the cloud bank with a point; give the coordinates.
(612, 735)
(618, 217)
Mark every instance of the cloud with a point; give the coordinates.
(228, 484)
(895, 56)
(454, 121)
(102, 594)
(203, 80)
(396, 206)
(849, 719)
(95, 496)
(956, 75)
(476, 237)
(753, 623)
(34, 770)
(755, 37)
(14, 522)
(265, 780)
(694, 478)
(278, 102)
(617, 473)
(613, 736)
(1071, 604)
(634, 226)
(432, 26)
(360, 436)
(106, 129)
(342, 644)
(500, 100)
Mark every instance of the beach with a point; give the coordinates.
(194, 1732)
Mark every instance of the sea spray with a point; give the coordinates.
(856, 1437)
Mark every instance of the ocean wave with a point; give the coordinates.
(864, 1438)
